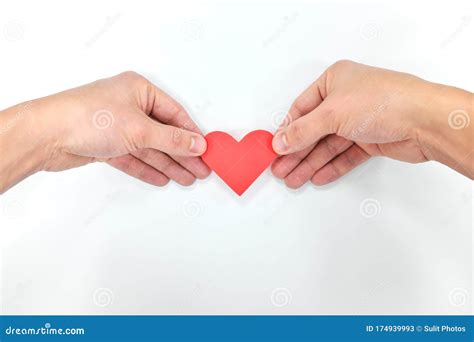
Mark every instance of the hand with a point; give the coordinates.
(125, 121)
(353, 112)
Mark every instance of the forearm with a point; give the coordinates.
(23, 143)
(446, 132)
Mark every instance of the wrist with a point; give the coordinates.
(24, 143)
(443, 128)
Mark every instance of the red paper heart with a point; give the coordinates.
(239, 163)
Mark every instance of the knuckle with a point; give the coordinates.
(332, 119)
(129, 74)
(177, 138)
(188, 123)
(342, 63)
(175, 109)
(335, 172)
(295, 134)
(132, 76)
(139, 136)
(310, 166)
(301, 105)
(341, 66)
(350, 161)
(331, 149)
(142, 171)
(125, 165)
(144, 154)
(166, 165)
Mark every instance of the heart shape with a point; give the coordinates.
(239, 164)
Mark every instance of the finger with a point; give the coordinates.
(195, 165)
(167, 110)
(163, 163)
(138, 169)
(306, 130)
(308, 100)
(169, 139)
(282, 166)
(326, 150)
(339, 166)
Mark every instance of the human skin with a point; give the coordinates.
(124, 120)
(353, 112)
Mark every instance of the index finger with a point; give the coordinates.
(169, 111)
(308, 100)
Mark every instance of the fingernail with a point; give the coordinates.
(198, 145)
(280, 143)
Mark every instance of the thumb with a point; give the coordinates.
(304, 131)
(173, 140)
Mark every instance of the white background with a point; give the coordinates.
(94, 241)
